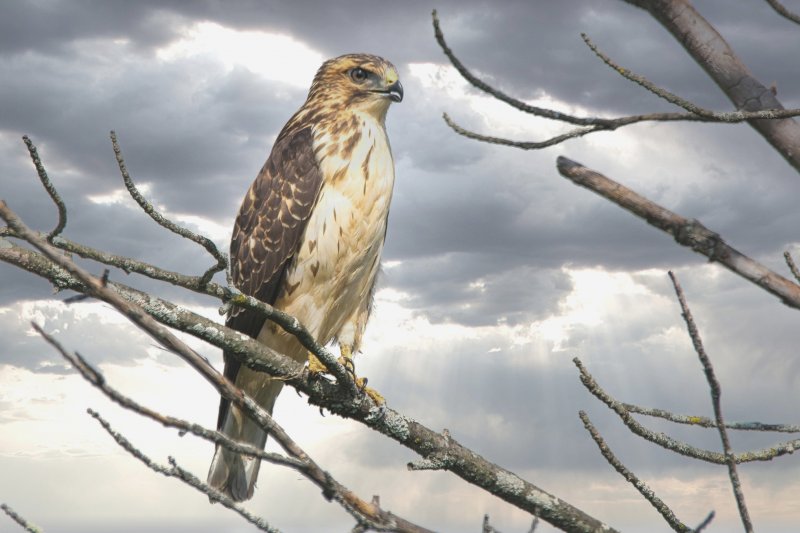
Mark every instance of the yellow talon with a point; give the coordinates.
(315, 366)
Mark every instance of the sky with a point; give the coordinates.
(496, 271)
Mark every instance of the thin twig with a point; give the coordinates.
(792, 266)
(49, 187)
(782, 11)
(177, 472)
(704, 524)
(19, 519)
(716, 394)
(222, 260)
(669, 443)
(518, 104)
(590, 124)
(631, 478)
(524, 145)
(705, 422)
(689, 233)
(93, 376)
(730, 116)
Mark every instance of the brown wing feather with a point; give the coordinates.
(274, 214)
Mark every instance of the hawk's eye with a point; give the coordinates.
(358, 74)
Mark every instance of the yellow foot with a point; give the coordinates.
(369, 391)
(315, 366)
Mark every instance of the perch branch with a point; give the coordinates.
(205, 242)
(716, 397)
(631, 478)
(689, 233)
(377, 518)
(467, 464)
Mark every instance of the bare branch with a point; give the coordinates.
(513, 102)
(524, 145)
(177, 472)
(792, 266)
(93, 376)
(631, 478)
(669, 443)
(468, 465)
(716, 394)
(592, 124)
(782, 11)
(705, 422)
(732, 117)
(710, 50)
(689, 233)
(331, 488)
(222, 261)
(704, 524)
(49, 187)
(19, 519)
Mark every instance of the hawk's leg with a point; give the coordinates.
(346, 359)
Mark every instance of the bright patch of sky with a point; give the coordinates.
(274, 56)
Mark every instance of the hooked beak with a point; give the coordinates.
(395, 91)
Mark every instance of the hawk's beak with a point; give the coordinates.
(395, 91)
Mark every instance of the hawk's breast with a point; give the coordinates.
(336, 265)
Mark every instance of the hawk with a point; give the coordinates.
(309, 236)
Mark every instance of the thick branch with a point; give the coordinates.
(689, 233)
(710, 50)
(465, 463)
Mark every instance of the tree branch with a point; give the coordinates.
(782, 11)
(49, 187)
(177, 472)
(710, 50)
(466, 464)
(631, 478)
(716, 395)
(689, 233)
(592, 124)
(705, 422)
(30, 528)
(674, 445)
(205, 242)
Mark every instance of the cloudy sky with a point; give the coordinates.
(496, 270)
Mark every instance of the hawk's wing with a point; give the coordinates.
(269, 231)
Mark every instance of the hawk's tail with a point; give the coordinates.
(232, 473)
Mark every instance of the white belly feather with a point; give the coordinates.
(335, 268)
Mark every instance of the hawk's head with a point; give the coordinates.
(356, 81)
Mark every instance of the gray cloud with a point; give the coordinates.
(482, 233)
